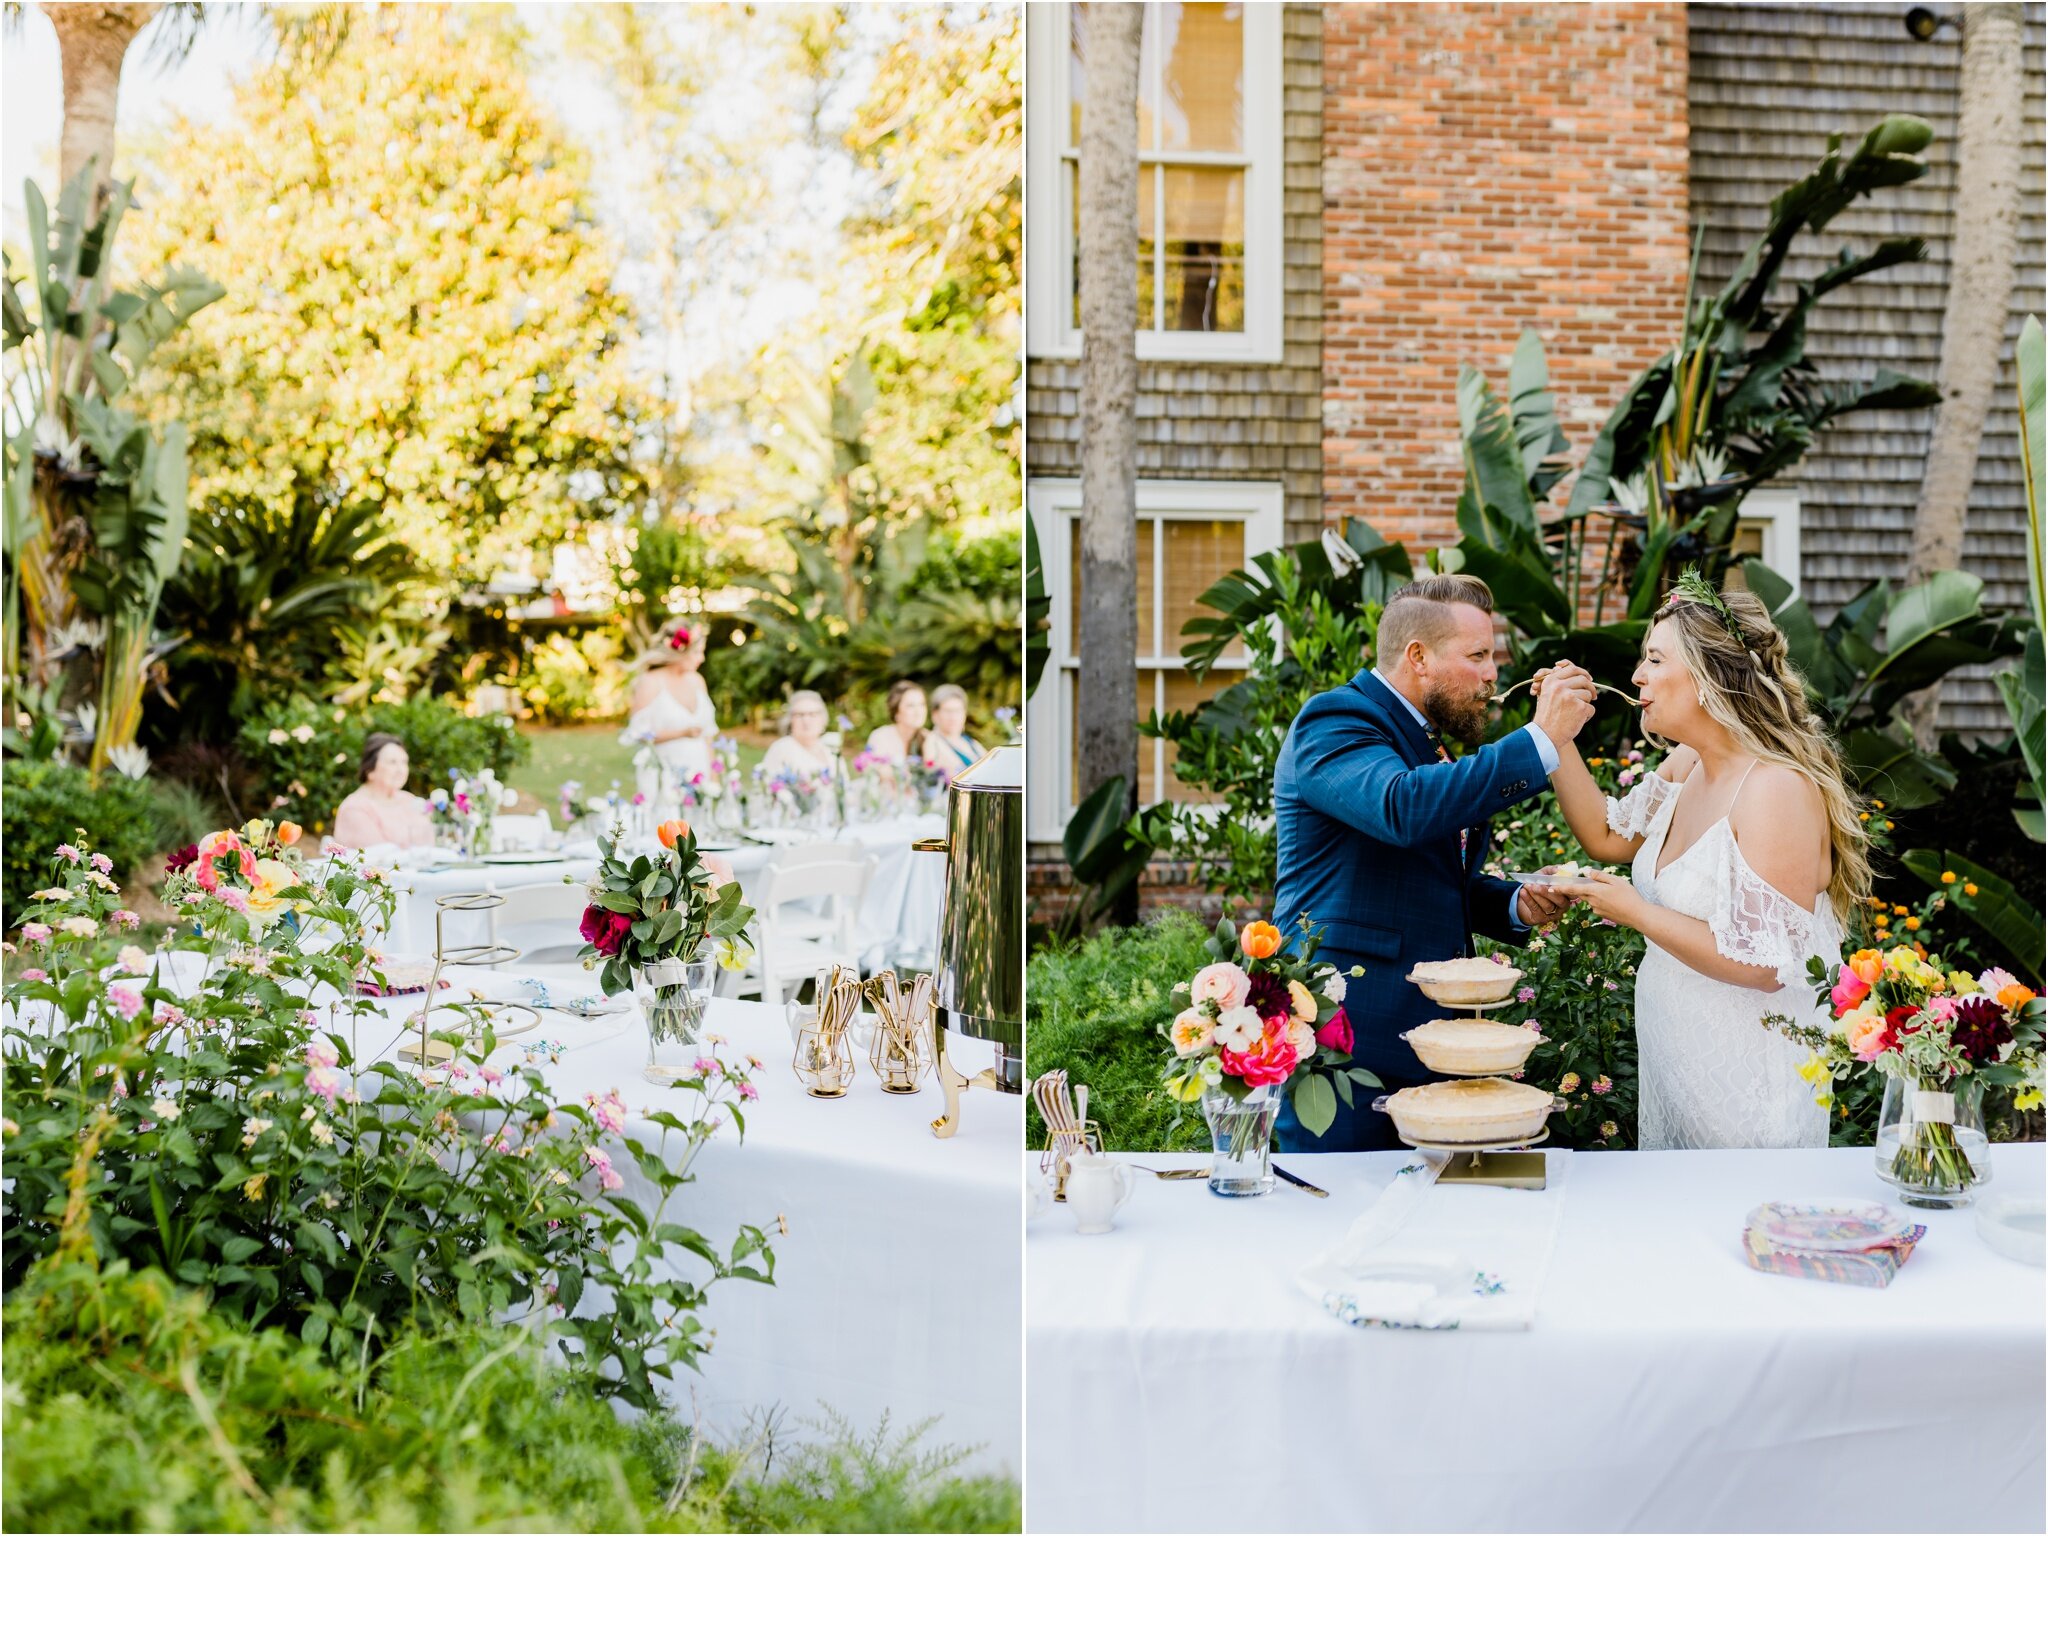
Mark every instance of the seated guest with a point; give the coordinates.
(380, 812)
(947, 746)
(902, 737)
(801, 749)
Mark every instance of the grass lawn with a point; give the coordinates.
(591, 753)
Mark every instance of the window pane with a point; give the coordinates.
(1202, 86)
(1148, 245)
(1198, 554)
(1204, 249)
(1183, 692)
(1074, 589)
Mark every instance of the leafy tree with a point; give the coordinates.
(423, 312)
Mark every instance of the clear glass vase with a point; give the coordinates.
(673, 995)
(1241, 1141)
(1931, 1143)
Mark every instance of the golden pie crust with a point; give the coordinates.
(1466, 1046)
(1469, 1110)
(1470, 981)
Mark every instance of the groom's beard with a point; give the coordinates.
(1461, 716)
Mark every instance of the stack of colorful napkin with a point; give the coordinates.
(1845, 1242)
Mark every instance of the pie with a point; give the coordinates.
(1471, 981)
(1468, 1110)
(1462, 1046)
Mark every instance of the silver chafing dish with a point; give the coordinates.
(980, 968)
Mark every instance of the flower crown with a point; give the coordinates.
(1692, 587)
(679, 638)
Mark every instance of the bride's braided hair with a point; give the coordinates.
(1748, 684)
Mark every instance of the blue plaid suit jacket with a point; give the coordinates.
(1368, 822)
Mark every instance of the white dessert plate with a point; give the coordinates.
(2016, 1226)
(1828, 1226)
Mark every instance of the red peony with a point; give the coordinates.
(1335, 1035)
(1898, 1021)
(1269, 1061)
(605, 930)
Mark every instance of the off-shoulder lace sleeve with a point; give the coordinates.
(1632, 813)
(1755, 923)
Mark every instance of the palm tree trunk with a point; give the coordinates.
(91, 42)
(1108, 591)
(1989, 109)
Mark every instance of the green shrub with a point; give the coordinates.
(47, 802)
(575, 679)
(189, 1422)
(304, 755)
(1097, 1008)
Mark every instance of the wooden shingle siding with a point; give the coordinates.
(1768, 84)
(1234, 422)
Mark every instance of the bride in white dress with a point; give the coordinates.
(671, 705)
(1748, 858)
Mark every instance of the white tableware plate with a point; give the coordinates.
(1828, 1226)
(2016, 1226)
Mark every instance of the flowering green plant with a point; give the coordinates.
(649, 908)
(234, 1113)
(1261, 1014)
(1897, 1013)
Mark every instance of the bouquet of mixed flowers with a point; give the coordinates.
(655, 912)
(804, 794)
(471, 807)
(1940, 1029)
(1260, 1015)
(929, 784)
(249, 870)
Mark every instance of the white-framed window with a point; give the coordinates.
(1190, 534)
(1210, 180)
(1767, 527)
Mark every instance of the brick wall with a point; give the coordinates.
(1488, 168)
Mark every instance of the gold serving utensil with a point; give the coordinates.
(1620, 693)
(824, 1049)
(901, 1050)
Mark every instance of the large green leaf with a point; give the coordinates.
(1886, 768)
(1934, 605)
(1526, 596)
(1494, 478)
(2003, 915)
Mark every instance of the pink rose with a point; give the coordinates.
(1335, 1035)
(1225, 984)
(1866, 1036)
(1268, 1061)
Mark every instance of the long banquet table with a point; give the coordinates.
(1178, 1381)
(899, 912)
(897, 1282)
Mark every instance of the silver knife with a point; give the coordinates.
(1295, 1181)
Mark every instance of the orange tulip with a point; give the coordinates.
(288, 832)
(1260, 940)
(672, 831)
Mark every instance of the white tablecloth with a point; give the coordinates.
(899, 915)
(897, 1285)
(1178, 1381)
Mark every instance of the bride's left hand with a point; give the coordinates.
(1612, 897)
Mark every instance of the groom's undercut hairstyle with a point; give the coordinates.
(1420, 611)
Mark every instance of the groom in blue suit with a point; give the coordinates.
(1382, 833)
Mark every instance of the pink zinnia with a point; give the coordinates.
(33, 974)
(127, 1001)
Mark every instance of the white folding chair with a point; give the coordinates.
(541, 921)
(806, 915)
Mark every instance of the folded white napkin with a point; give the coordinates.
(1429, 1257)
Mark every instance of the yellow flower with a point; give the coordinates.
(1961, 983)
(272, 878)
(1815, 1071)
(1969, 889)
(252, 1189)
(1948, 877)
(1304, 1002)
(1884, 920)
(1912, 923)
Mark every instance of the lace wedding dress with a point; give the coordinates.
(1712, 1073)
(665, 713)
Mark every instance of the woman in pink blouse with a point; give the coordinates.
(380, 812)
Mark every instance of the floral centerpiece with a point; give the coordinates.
(1939, 1036)
(470, 808)
(806, 796)
(1264, 1023)
(655, 924)
(248, 870)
